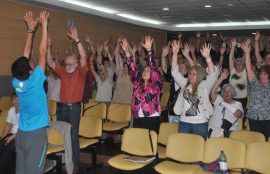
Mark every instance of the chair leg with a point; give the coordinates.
(94, 156)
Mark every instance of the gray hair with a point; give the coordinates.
(72, 57)
(228, 87)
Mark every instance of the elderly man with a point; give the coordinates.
(72, 77)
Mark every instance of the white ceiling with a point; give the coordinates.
(181, 12)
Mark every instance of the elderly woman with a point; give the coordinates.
(193, 102)
(226, 110)
(259, 105)
(145, 100)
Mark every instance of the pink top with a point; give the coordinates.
(146, 96)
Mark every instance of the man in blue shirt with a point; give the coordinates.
(31, 138)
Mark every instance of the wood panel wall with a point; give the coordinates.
(13, 31)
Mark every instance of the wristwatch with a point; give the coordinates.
(30, 30)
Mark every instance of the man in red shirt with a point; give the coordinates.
(72, 77)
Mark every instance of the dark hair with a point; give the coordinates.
(20, 68)
(265, 69)
(105, 59)
(14, 94)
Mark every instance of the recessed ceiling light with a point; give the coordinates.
(223, 24)
(253, 33)
(208, 6)
(214, 34)
(166, 9)
(137, 18)
(230, 5)
(90, 6)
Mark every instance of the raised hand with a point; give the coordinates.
(134, 50)
(73, 34)
(30, 21)
(125, 46)
(106, 46)
(186, 50)
(234, 42)
(165, 51)
(245, 47)
(88, 40)
(43, 18)
(148, 40)
(205, 51)
(257, 36)
(175, 46)
(225, 74)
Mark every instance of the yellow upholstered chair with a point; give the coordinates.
(165, 130)
(5, 103)
(247, 136)
(182, 147)
(258, 157)
(164, 100)
(166, 87)
(136, 142)
(3, 117)
(56, 144)
(96, 110)
(118, 118)
(234, 150)
(52, 106)
(90, 132)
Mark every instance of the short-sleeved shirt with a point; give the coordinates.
(259, 104)
(13, 118)
(239, 82)
(72, 84)
(216, 120)
(32, 101)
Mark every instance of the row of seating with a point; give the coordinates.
(185, 153)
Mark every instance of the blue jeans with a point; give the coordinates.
(71, 114)
(198, 129)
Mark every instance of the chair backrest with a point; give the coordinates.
(96, 110)
(185, 147)
(90, 127)
(5, 103)
(164, 100)
(247, 136)
(119, 113)
(233, 149)
(165, 130)
(52, 107)
(166, 87)
(258, 157)
(136, 141)
(3, 117)
(55, 137)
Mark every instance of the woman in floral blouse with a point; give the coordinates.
(259, 105)
(147, 87)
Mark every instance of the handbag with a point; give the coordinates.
(212, 167)
(226, 124)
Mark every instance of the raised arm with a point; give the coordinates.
(246, 48)
(231, 56)
(50, 61)
(222, 53)
(117, 57)
(164, 64)
(185, 51)
(43, 17)
(31, 26)
(205, 51)
(73, 34)
(224, 75)
(257, 48)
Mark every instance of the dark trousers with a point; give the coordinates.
(71, 113)
(7, 151)
(151, 123)
(262, 126)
